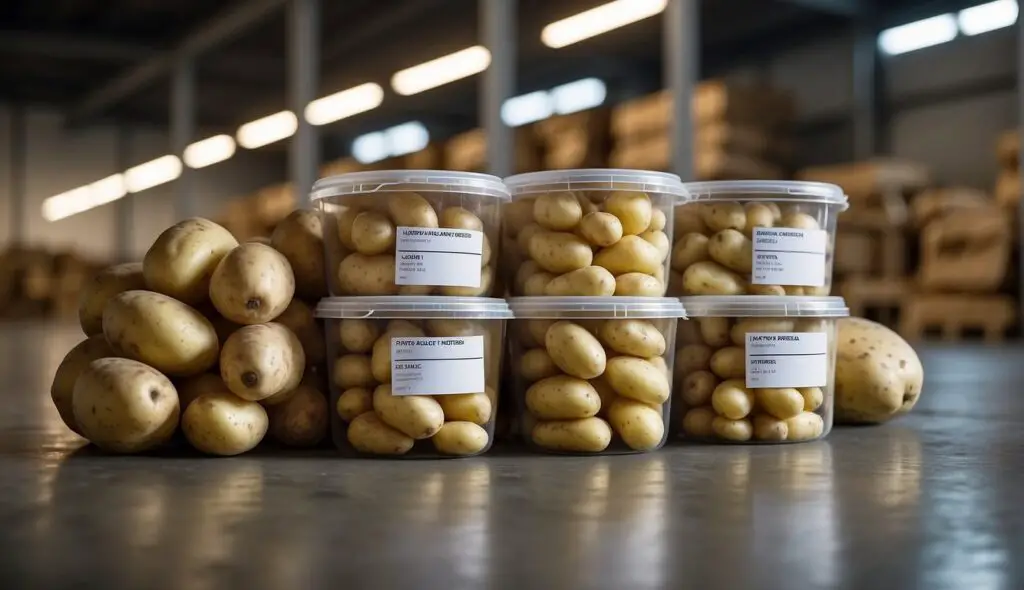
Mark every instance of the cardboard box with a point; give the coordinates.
(865, 180)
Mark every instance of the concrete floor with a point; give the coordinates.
(933, 501)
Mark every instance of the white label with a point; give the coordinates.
(438, 257)
(785, 256)
(798, 359)
(437, 366)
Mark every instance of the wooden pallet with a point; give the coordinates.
(952, 315)
(875, 298)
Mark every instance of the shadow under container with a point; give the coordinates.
(756, 369)
(414, 376)
(590, 232)
(756, 237)
(411, 232)
(593, 375)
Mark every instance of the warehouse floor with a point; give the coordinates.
(933, 501)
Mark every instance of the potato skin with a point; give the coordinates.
(630, 254)
(732, 250)
(373, 233)
(253, 284)
(101, 288)
(600, 229)
(709, 278)
(561, 398)
(638, 284)
(560, 252)
(587, 435)
(360, 274)
(221, 424)
(261, 361)
(638, 379)
(181, 261)
(358, 335)
(587, 281)
(190, 388)
(575, 350)
(557, 211)
(77, 359)
(162, 332)
(461, 439)
(298, 317)
(124, 406)
(634, 337)
(300, 238)
(369, 434)
(641, 427)
(302, 420)
(411, 210)
(633, 209)
(878, 375)
(353, 402)
(466, 407)
(416, 416)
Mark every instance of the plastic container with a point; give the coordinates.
(414, 376)
(589, 232)
(411, 232)
(756, 237)
(593, 375)
(757, 369)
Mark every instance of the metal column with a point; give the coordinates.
(18, 148)
(124, 208)
(866, 84)
(498, 27)
(304, 69)
(183, 131)
(1020, 160)
(682, 63)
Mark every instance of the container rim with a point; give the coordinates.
(413, 307)
(776, 306)
(776, 190)
(596, 307)
(595, 179)
(372, 181)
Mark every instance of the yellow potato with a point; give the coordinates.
(405, 328)
(794, 291)
(358, 335)
(698, 387)
(662, 366)
(253, 284)
(486, 281)
(354, 402)
(641, 427)
(261, 361)
(813, 398)
(575, 350)
(345, 220)
(634, 337)
(557, 211)
(600, 229)
(732, 250)
(805, 426)
(359, 274)
(724, 215)
(77, 359)
(799, 221)
(632, 208)
(586, 204)
(587, 435)
(775, 290)
(417, 416)
(219, 423)
(734, 430)
(630, 254)
(181, 261)
(516, 215)
(732, 400)
(588, 281)
(605, 392)
(299, 318)
(526, 236)
(769, 428)
(536, 364)
(690, 249)
(411, 210)
(124, 406)
(538, 329)
(369, 434)
(708, 278)
(101, 288)
(782, 403)
(300, 238)
(466, 407)
(461, 439)
(697, 422)
(460, 218)
(485, 251)
(878, 374)
(693, 357)
(561, 398)
(758, 215)
(162, 332)
(638, 284)
(729, 363)
(658, 220)
(688, 219)
(373, 233)
(560, 252)
(353, 370)
(638, 379)
(659, 240)
(190, 388)
(714, 331)
(537, 284)
(523, 274)
(744, 326)
(302, 420)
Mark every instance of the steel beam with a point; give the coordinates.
(1020, 160)
(498, 28)
(837, 7)
(681, 50)
(18, 146)
(65, 46)
(183, 132)
(304, 60)
(867, 85)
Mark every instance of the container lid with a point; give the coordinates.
(595, 179)
(595, 307)
(413, 307)
(391, 181)
(775, 306)
(776, 190)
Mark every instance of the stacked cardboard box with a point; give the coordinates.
(1008, 186)
(468, 151)
(38, 283)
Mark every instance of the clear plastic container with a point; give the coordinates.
(591, 232)
(411, 232)
(756, 237)
(593, 375)
(756, 369)
(414, 376)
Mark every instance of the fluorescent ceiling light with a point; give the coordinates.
(441, 71)
(267, 130)
(578, 96)
(395, 141)
(988, 17)
(346, 103)
(152, 173)
(596, 21)
(918, 35)
(370, 148)
(528, 108)
(66, 204)
(209, 151)
(107, 190)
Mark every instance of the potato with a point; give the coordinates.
(516, 215)
(557, 211)
(523, 274)
(714, 331)
(526, 236)
(805, 426)
(124, 406)
(769, 428)
(743, 326)
(562, 397)
(369, 434)
(253, 284)
(302, 420)
(587, 281)
(298, 317)
(638, 284)
(359, 274)
(575, 350)
(630, 254)
(77, 359)
(605, 392)
(345, 220)
(799, 221)
(813, 398)
(697, 422)
(638, 379)
(537, 284)
(190, 388)
(373, 233)
(632, 208)
(358, 335)
(411, 210)
(878, 375)
(661, 365)
(732, 399)
(380, 360)
(416, 416)
(732, 250)
(641, 427)
(734, 430)
(659, 240)
(559, 252)
(794, 291)
(775, 290)
(261, 361)
(538, 329)
(600, 229)
(466, 407)
(461, 439)
(353, 370)
(300, 238)
(688, 219)
(353, 402)
(693, 357)
(729, 363)
(181, 261)
(758, 215)
(587, 435)
(782, 403)
(634, 337)
(162, 332)
(460, 218)
(708, 278)
(724, 215)
(698, 387)
(658, 220)
(101, 288)
(536, 364)
(690, 249)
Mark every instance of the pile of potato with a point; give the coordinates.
(373, 421)
(595, 243)
(206, 336)
(712, 398)
(589, 381)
